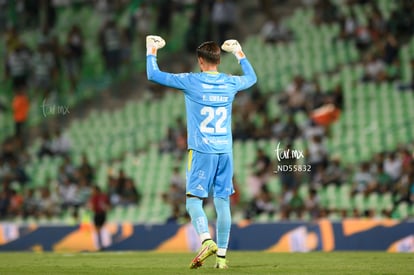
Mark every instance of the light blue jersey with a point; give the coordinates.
(208, 99)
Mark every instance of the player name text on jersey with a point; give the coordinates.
(215, 98)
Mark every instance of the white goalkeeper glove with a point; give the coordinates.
(154, 43)
(233, 46)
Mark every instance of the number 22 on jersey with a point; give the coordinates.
(219, 113)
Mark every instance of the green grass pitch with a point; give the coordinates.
(149, 263)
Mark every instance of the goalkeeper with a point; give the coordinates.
(208, 99)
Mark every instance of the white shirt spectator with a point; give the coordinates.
(374, 68)
(350, 25)
(317, 151)
(224, 11)
(4, 169)
(313, 130)
(273, 31)
(254, 183)
(363, 178)
(393, 167)
(68, 193)
(61, 144)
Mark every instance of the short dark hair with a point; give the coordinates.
(209, 51)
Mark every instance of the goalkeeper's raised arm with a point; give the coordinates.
(233, 46)
(178, 81)
(154, 43)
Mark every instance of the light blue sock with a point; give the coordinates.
(223, 222)
(198, 217)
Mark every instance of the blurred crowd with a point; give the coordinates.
(386, 173)
(22, 197)
(390, 172)
(40, 68)
(379, 40)
(48, 65)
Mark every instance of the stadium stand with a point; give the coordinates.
(144, 138)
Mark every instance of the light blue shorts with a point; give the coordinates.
(209, 174)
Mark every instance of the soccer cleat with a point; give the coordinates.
(207, 249)
(221, 263)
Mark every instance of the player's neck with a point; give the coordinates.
(209, 68)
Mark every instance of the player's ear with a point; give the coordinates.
(200, 63)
